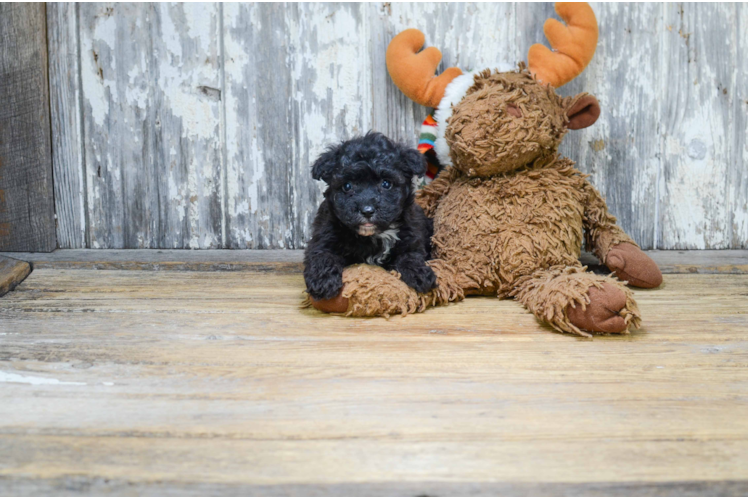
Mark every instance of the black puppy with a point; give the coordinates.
(368, 215)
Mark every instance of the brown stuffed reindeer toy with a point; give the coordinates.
(509, 213)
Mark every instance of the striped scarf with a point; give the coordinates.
(426, 146)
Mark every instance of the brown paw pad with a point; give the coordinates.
(338, 304)
(603, 313)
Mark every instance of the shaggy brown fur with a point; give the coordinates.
(510, 216)
(504, 122)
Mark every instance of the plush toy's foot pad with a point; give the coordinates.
(337, 304)
(630, 264)
(575, 301)
(606, 312)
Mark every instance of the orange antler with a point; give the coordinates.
(413, 71)
(574, 45)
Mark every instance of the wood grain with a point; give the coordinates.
(701, 76)
(294, 84)
(12, 272)
(738, 181)
(669, 262)
(469, 35)
(111, 487)
(621, 152)
(242, 98)
(151, 107)
(26, 198)
(259, 127)
(67, 125)
(162, 382)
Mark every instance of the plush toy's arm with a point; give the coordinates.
(614, 247)
(601, 230)
(428, 197)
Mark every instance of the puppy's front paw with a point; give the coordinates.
(325, 288)
(421, 278)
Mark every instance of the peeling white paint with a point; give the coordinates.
(674, 140)
(180, 77)
(96, 80)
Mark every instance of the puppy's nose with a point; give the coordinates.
(367, 210)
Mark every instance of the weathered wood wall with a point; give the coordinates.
(26, 200)
(193, 125)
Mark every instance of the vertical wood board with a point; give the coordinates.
(294, 83)
(620, 151)
(739, 166)
(67, 141)
(700, 63)
(151, 102)
(26, 197)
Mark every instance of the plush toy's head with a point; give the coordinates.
(507, 120)
(497, 120)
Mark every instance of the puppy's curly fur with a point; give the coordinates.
(368, 215)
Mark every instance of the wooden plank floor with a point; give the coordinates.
(12, 272)
(141, 382)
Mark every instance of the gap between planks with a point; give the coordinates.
(290, 261)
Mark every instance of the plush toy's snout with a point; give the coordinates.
(514, 110)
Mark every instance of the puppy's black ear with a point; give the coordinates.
(412, 161)
(325, 165)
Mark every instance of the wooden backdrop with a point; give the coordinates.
(27, 217)
(194, 125)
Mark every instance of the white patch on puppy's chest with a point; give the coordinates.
(388, 239)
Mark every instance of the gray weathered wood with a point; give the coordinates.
(277, 261)
(470, 36)
(738, 180)
(295, 82)
(697, 86)
(67, 139)
(259, 135)
(84, 485)
(669, 261)
(226, 165)
(151, 102)
(26, 197)
(621, 151)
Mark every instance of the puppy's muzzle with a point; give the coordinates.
(367, 229)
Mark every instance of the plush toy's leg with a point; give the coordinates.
(575, 301)
(372, 291)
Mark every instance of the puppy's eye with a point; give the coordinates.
(347, 187)
(386, 184)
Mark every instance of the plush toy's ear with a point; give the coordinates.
(325, 165)
(582, 112)
(412, 162)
